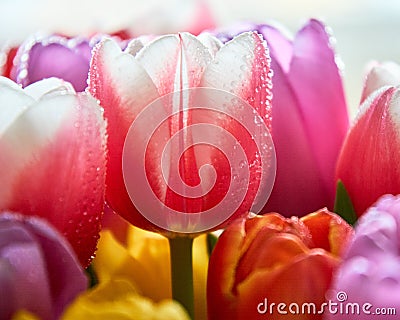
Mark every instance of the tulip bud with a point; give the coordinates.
(188, 129)
(267, 263)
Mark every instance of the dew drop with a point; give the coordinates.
(23, 74)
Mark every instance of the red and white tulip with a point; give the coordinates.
(53, 158)
(126, 82)
(369, 161)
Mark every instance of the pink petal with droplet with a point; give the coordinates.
(251, 81)
(53, 165)
(181, 64)
(241, 67)
(123, 88)
(280, 46)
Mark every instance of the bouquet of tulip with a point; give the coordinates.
(196, 177)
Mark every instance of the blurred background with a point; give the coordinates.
(365, 30)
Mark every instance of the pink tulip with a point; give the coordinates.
(52, 158)
(39, 271)
(369, 160)
(127, 82)
(309, 116)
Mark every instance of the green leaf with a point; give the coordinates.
(211, 242)
(343, 205)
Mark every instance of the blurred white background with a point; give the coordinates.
(365, 30)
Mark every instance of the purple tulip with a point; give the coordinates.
(38, 269)
(309, 116)
(53, 56)
(369, 274)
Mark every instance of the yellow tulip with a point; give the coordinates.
(144, 261)
(24, 315)
(119, 300)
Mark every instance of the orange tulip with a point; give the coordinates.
(271, 267)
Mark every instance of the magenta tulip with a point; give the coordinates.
(39, 271)
(53, 56)
(309, 116)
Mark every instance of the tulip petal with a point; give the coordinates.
(180, 67)
(49, 86)
(249, 79)
(312, 52)
(369, 271)
(54, 56)
(278, 287)
(212, 43)
(37, 289)
(7, 55)
(293, 150)
(368, 163)
(223, 261)
(53, 165)
(380, 75)
(134, 46)
(55, 249)
(31, 285)
(281, 47)
(272, 258)
(306, 89)
(328, 231)
(8, 292)
(12, 102)
(267, 252)
(123, 88)
(175, 62)
(118, 300)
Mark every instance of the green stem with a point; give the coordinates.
(182, 272)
